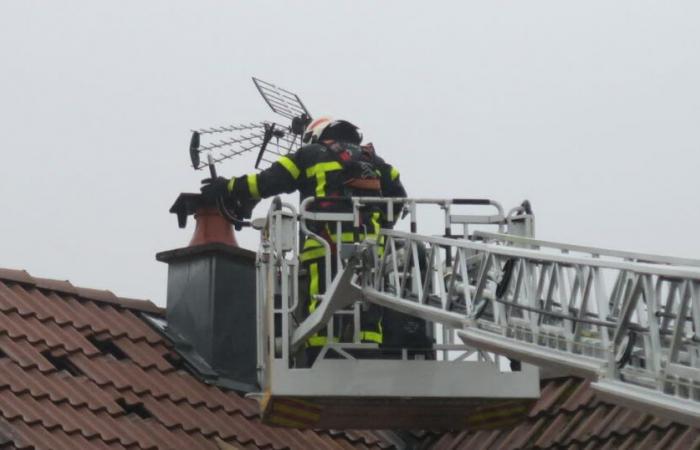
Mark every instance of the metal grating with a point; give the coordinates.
(281, 101)
(270, 139)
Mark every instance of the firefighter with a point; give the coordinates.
(331, 163)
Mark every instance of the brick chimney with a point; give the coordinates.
(211, 314)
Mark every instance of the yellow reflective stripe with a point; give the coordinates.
(319, 341)
(312, 243)
(316, 341)
(229, 186)
(372, 336)
(394, 174)
(323, 168)
(321, 184)
(375, 221)
(312, 254)
(319, 171)
(313, 286)
(253, 186)
(288, 164)
(347, 236)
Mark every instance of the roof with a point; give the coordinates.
(81, 368)
(568, 415)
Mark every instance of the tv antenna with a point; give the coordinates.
(271, 139)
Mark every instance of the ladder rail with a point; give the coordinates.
(663, 274)
(634, 342)
(594, 251)
(677, 271)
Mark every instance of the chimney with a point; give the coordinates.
(211, 314)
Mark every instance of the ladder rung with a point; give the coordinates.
(681, 371)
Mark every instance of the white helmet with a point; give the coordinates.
(313, 131)
(327, 128)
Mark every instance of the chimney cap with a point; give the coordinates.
(187, 204)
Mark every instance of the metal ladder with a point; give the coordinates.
(628, 321)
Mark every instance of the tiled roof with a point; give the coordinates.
(80, 369)
(569, 416)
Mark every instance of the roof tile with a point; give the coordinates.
(61, 286)
(145, 356)
(35, 331)
(19, 276)
(57, 386)
(690, 439)
(25, 354)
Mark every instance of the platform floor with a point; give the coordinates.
(392, 413)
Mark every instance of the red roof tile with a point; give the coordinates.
(65, 287)
(79, 368)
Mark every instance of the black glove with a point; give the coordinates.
(213, 188)
(245, 208)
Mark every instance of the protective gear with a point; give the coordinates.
(315, 170)
(313, 263)
(213, 188)
(360, 169)
(313, 131)
(325, 128)
(244, 208)
(342, 131)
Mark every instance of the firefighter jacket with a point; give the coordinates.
(315, 170)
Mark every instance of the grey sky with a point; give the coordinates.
(589, 109)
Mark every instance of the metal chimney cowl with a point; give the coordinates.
(211, 314)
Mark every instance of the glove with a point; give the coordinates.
(213, 188)
(245, 208)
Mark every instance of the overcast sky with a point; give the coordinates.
(591, 110)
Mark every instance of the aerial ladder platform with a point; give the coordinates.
(504, 308)
(500, 308)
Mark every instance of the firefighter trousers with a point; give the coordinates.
(313, 263)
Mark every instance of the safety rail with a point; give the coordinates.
(595, 252)
(278, 268)
(277, 278)
(637, 336)
(409, 208)
(454, 214)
